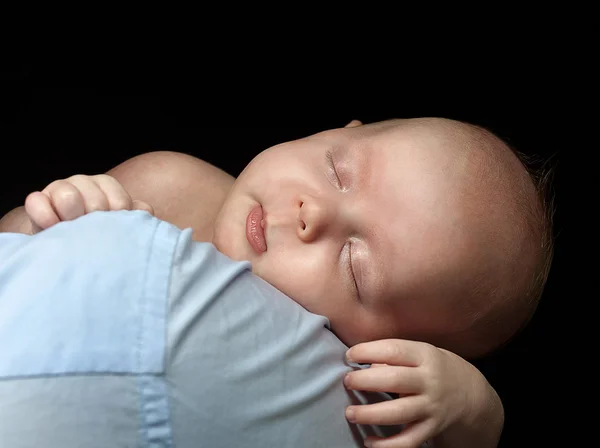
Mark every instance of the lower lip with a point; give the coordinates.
(255, 234)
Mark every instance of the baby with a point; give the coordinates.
(423, 229)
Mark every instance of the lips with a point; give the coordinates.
(255, 234)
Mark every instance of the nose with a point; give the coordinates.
(315, 216)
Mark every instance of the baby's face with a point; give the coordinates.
(363, 225)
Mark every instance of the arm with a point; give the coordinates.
(16, 221)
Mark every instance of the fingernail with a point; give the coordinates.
(350, 415)
(347, 380)
(368, 443)
(349, 356)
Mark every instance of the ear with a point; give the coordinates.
(353, 124)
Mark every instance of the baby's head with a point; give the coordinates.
(426, 229)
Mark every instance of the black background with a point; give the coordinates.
(51, 129)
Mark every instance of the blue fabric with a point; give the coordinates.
(85, 297)
(118, 330)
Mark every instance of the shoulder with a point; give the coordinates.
(171, 181)
(241, 348)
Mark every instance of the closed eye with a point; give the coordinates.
(329, 158)
(350, 270)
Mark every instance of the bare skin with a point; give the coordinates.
(16, 221)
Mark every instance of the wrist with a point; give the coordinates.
(481, 422)
(484, 420)
(488, 410)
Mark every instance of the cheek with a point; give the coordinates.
(302, 274)
(356, 324)
(294, 279)
(272, 160)
(278, 167)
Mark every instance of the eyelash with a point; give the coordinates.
(329, 157)
(351, 270)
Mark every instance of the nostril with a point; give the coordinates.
(301, 204)
(302, 225)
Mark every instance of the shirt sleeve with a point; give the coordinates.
(81, 288)
(82, 331)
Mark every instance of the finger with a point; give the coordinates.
(141, 205)
(412, 436)
(94, 198)
(402, 380)
(399, 352)
(65, 199)
(393, 412)
(40, 211)
(353, 124)
(116, 195)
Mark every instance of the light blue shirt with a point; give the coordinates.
(117, 330)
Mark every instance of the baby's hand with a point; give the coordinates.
(67, 199)
(438, 390)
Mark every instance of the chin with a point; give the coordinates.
(220, 240)
(234, 248)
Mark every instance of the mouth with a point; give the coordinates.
(255, 233)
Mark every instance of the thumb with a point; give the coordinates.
(141, 205)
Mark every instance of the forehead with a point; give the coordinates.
(412, 164)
